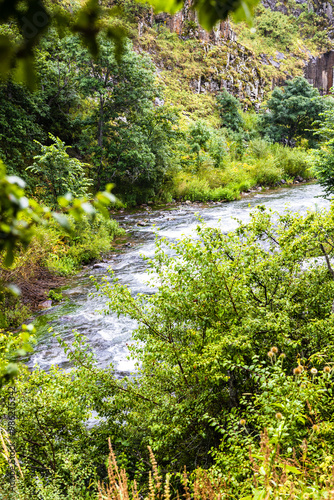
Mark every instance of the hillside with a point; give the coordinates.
(285, 41)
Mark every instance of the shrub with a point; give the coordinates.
(294, 162)
(203, 337)
(258, 148)
(277, 27)
(90, 239)
(266, 172)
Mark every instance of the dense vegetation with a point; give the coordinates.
(233, 392)
(234, 375)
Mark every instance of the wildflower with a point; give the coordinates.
(315, 427)
(282, 355)
(327, 369)
(314, 371)
(279, 416)
(274, 350)
(271, 354)
(298, 370)
(242, 422)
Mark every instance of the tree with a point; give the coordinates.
(324, 157)
(27, 115)
(125, 136)
(290, 112)
(199, 135)
(229, 107)
(57, 174)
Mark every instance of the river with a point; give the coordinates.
(108, 335)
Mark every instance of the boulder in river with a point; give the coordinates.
(45, 305)
(101, 265)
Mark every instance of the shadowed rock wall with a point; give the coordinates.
(319, 72)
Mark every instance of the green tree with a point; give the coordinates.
(57, 174)
(199, 135)
(125, 135)
(27, 115)
(323, 158)
(290, 112)
(229, 111)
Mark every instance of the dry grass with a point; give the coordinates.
(203, 488)
(272, 477)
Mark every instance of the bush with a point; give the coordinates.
(277, 27)
(56, 173)
(266, 172)
(202, 340)
(258, 149)
(90, 239)
(294, 162)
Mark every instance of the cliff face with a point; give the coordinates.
(204, 63)
(186, 25)
(323, 9)
(219, 61)
(319, 71)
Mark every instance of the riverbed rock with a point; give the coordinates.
(45, 305)
(142, 223)
(101, 265)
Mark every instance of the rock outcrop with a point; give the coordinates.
(235, 67)
(186, 25)
(319, 71)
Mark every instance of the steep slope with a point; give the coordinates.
(249, 62)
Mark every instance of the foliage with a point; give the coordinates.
(293, 409)
(229, 107)
(222, 299)
(89, 240)
(278, 27)
(126, 137)
(13, 205)
(323, 158)
(229, 167)
(290, 112)
(32, 19)
(209, 371)
(12, 348)
(20, 124)
(57, 174)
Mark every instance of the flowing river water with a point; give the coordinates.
(108, 334)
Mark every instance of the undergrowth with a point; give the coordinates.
(259, 164)
(56, 253)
